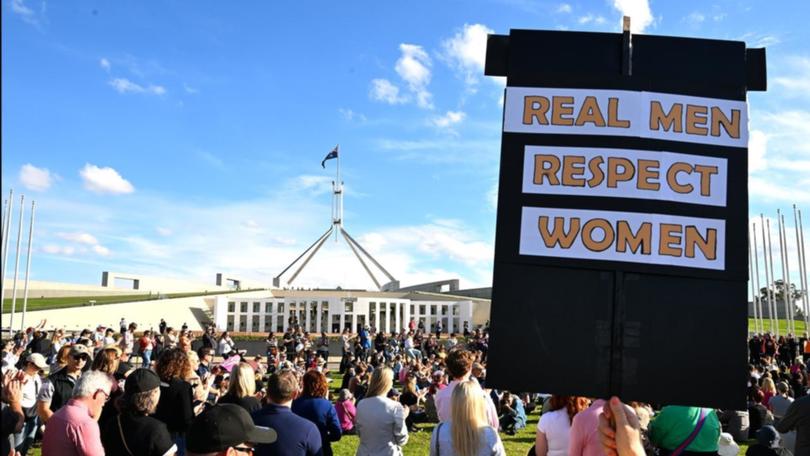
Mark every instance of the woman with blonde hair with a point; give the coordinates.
(380, 421)
(242, 389)
(769, 390)
(469, 432)
(60, 359)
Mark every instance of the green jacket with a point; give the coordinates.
(675, 423)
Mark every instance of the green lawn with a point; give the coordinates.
(77, 301)
(781, 324)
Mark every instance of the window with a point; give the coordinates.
(242, 307)
(280, 323)
(268, 308)
(230, 323)
(231, 306)
(255, 323)
(243, 322)
(444, 310)
(281, 307)
(268, 323)
(412, 309)
(455, 310)
(422, 309)
(257, 307)
(348, 307)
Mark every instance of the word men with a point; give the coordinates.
(626, 113)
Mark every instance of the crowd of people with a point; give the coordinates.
(121, 391)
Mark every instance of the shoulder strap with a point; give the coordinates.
(121, 433)
(692, 436)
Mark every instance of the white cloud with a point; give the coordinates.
(588, 18)
(54, 249)
(105, 64)
(757, 148)
(79, 238)
(315, 184)
(123, 85)
(414, 68)
(639, 11)
(190, 90)
(797, 83)
(383, 90)
(36, 179)
(350, 115)
(104, 180)
(492, 196)
(449, 119)
(26, 14)
(101, 250)
(251, 224)
(695, 18)
(163, 231)
(773, 190)
(564, 8)
(466, 51)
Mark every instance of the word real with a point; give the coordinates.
(623, 173)
(623, 236)
(626, 113)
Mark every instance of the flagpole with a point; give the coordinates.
(785, 270)
(756, 278)
(804, 268)
(773, 277)
(16, 266)
(28, 265)
(751, 280)
(6, 228)
(767, 277)
(801, 269)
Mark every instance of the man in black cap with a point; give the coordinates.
(133, 432)
(225, 430)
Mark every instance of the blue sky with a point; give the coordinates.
(183, 139)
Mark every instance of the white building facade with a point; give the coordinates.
(322, 311)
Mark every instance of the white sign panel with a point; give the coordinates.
(623, 236)
(625, 173)
(626, 113)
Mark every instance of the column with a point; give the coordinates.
(398, 310)
(354, 321)
(307, 316)
(450, 308)
(319, 316)
(377, 317)
(284, 320)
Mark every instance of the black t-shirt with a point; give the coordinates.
(249, 403)
(144, 435)
(408, 399)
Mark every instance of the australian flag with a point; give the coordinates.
(329, 156)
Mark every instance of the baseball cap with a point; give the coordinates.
(37, 360)
(141, 380)
(80, 349)
(223, 426)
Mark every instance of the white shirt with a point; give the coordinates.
(30, 389)
(225, 346)
(556, 426)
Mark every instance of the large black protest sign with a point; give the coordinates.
(621, 250)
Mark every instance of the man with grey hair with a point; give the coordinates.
(73, 429)
(133, 432)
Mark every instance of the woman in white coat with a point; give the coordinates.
(380, 422)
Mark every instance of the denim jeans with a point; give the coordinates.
(24, 438)
(147, 357)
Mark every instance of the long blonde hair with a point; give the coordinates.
(468, 417)
(768, 386)
(243, 381)
(382, 379)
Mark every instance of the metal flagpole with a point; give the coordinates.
(767, 277)
(6, 227)
(773, 277)
(751, 282)
(780, 224)
(16, 265)
(788, 293)
(756, 278)
(28, 265)
(803, 275)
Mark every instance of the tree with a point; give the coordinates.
(777, 289)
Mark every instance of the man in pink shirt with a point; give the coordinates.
(583, 438)
(73, 429)
(459, 366)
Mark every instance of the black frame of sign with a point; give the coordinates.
(653, 333)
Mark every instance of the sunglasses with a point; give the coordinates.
(81, 357)
(244, 449)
